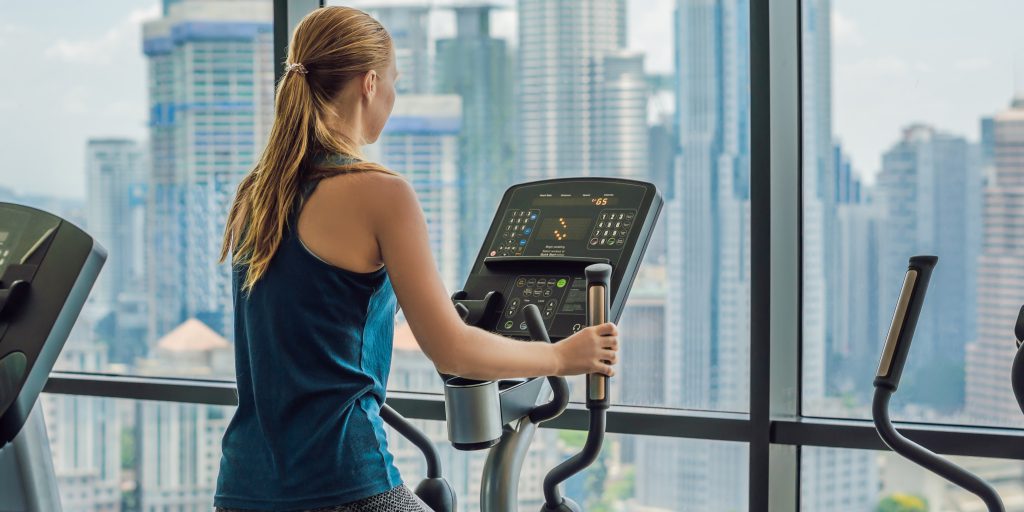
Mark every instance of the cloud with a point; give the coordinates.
(98, 50)
(845, 31)
(973, 64)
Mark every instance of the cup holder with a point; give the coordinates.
(472, 413)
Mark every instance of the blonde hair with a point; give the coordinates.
(330, 47)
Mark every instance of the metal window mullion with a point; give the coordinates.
(774, 470)
(287, 14)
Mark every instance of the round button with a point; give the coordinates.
(528, 292)
(551, 282)
(531, 281)
(522, 326)
(508, 324)
(547, 293)
(593, 241)
(521, 282)
(576, 327)
(561, 283)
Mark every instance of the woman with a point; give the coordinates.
(321, 244)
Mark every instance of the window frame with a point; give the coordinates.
(774, 429)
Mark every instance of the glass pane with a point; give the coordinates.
(600, 96)
(138, 455)
(136, 120)
(870, 481)
(910, 147)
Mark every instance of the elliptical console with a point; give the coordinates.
(560, 255)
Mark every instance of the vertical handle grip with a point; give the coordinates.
(904, 321)
(599, 277)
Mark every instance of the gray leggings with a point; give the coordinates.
(399, 499)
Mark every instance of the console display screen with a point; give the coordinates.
(561, 229)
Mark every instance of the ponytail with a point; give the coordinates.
(319, 65)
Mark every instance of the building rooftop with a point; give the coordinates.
(192, 336)
(404, 340)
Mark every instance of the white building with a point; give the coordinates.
(211, 89)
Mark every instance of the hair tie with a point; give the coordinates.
(298, 68)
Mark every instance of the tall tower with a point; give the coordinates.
(478, 68)
(115, 213)
(211, 88)
(708, 305)
(116, 177)
(929, 193)
(620, 144)
(1000, 274)
(562, 45)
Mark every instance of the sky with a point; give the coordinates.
(82, 74)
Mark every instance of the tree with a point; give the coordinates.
(900, 502)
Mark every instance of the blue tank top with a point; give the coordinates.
(312, 355)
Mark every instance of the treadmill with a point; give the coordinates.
(560, 255)
(47, 268)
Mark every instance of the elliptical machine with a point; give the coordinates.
(560, 255)
(887, 380)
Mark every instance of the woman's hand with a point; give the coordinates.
(591, 350)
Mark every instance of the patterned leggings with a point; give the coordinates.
(399, 499)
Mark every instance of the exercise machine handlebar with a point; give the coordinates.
(887, 380)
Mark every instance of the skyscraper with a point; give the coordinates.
(211, 89)
(421, 141)
(620, 143)
(562, 45)
(708, 305)
(928, 195)
(478, 68)
(116, 177)
(1000, 275)
(409, 26)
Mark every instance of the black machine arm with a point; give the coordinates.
(559, 387)
(1017, 371)
(598, 291)
(887, 380)
(434, 490)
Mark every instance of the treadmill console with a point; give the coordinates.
(543, 236)
(47, 267)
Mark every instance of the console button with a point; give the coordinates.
(508, 325)
(531, 281)
(521, 282)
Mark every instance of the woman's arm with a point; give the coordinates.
(453, 346)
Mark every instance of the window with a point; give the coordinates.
(909, 148)
(838, 479)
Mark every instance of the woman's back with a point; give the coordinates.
(313, 351)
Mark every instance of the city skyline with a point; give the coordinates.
(97, 43)
(856, 235)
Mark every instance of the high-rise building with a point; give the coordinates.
(421, 141)
(928, 196)
(620, 138)
(708, 304)
(562, 45)
(115, 213)
(478, 68)
(211, 87)
(409, 26)
(116, 178)
(179, 443)
(1000, 278)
